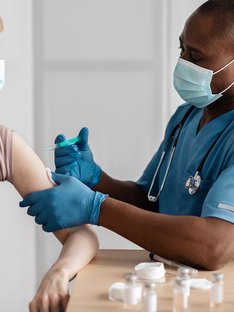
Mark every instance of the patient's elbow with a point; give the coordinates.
(63, 234)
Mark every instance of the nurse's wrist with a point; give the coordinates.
(104, 180)
(106, 214)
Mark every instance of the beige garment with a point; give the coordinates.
(6, 135)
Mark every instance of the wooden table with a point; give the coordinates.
(90, 292)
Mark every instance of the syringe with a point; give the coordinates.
(63, 143)
(171, 263)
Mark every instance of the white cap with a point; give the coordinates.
(150, 270)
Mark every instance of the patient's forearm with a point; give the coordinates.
(80, 248)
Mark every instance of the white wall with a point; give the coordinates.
(17, 239)
(105, 64)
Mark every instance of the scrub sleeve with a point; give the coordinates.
(219, 202)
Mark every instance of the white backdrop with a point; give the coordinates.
(105, 64)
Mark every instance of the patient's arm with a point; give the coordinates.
(80, 244)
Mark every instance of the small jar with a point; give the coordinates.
(216, 291)
(132, 292)
(183, 274)
(180, 296)
(150, 301)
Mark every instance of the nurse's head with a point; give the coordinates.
(207, 40)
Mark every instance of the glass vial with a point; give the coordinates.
(180, 296)
(183, 274)
(150, 301)
(216, 291)
(132, 292)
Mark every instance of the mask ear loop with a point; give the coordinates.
(218, 71)
(232, 84)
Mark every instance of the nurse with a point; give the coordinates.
(182, 207)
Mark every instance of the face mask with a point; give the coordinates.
(2, 74)
(193, 83)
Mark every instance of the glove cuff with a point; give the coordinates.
(98, 200)
(96, 176)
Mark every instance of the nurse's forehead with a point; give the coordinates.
(200, 32)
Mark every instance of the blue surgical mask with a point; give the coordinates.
(2, 74)
(193, 83)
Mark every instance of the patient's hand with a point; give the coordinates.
(52, 294)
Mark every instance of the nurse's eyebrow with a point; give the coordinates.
(190, 47)
(195, 49)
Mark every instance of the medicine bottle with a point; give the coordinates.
(180, 296)
(132, 293)
(183, 274)
(216, 291)
(150, 301)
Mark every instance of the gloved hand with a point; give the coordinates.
(69, 204)
(77, 160)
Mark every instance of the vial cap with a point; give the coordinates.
(132, 277)
(150, 285)
(183, 271)
(218, 276)
(180, 282)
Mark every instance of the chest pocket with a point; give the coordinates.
(191, 204)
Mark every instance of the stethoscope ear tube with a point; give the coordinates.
(155, 198)
(150, 197)
(175, 138)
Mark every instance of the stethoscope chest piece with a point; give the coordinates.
(192, 184)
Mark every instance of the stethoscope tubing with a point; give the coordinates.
(173, 148)
(193, 182)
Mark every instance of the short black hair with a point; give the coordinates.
(220, 5)
(223, 11)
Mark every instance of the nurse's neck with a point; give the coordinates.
(215, 110)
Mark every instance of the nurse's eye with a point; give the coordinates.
(194, 58)
(181, 48)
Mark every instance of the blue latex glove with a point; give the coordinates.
(77, 160)
(69, 204)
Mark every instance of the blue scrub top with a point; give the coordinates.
(215, 197)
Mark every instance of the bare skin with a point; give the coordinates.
(192, 240)
(80, 244)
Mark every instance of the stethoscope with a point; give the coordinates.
(193, 183)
